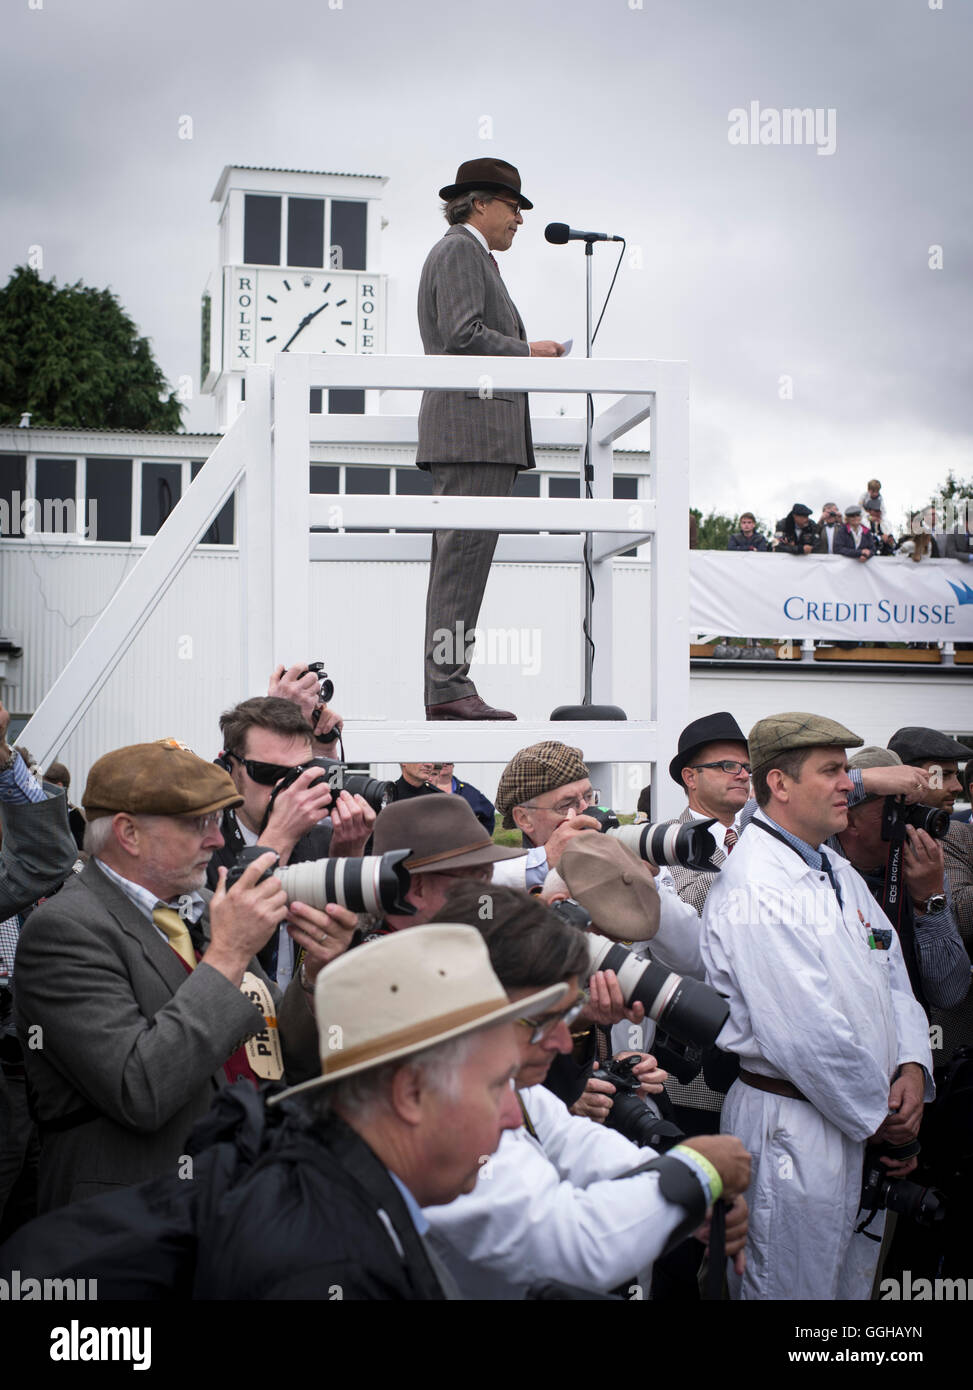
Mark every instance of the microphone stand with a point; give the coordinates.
(588, 474)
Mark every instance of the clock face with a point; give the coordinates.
(279, 310)
(303, 311)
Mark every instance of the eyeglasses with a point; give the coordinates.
(544, 1026)
(514, 207)
(202, 824)
(267, 774)
(727, 765)
(581, 802)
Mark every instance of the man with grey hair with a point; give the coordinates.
(473, 443)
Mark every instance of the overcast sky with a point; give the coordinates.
(754, 262)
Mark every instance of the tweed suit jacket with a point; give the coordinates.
(38, 851)
(957, 1024)
(692, 885)
(464, 308)
(130, 1047)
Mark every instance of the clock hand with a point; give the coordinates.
(303, 324)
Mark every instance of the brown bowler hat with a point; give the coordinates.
(157, 779)
(441, 831)
(486, 174)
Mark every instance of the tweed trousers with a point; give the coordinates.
(459, 565)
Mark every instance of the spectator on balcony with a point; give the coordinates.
(853, 538)
(796, 533)
(828, 528)
(748, 537)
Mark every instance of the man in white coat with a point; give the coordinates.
(563, 1198)
(833, 1046)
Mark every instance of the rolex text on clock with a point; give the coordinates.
(275, 310)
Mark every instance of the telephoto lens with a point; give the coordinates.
(669, 842)
(691, 1011)
(665, 842)
(375, 883)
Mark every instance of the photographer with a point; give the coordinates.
(563, 1198)
(264, 739)
(797, 533)
(935, 957)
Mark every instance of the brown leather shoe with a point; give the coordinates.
(470, 707)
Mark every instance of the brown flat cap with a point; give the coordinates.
(782, 733)
(157, 779)
(535, 770)
(441, 831)
(614, 887)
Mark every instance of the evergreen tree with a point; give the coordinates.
(72, 357)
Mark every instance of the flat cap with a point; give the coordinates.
(782, 733)
(853, 509)
(614, 887)
(157, 779)
(799, 509)
(915, 744)
(535, 770)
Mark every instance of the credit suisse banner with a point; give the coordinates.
(830, 596)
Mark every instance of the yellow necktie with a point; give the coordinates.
(169, 921)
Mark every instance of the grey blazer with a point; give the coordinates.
(38, 851)
(123, 1048)
(464, 308)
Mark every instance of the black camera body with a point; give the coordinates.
(629, 1114)
(340, 778)
(880, 1192)
(896, 815)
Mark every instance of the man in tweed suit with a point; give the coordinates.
(135, 988)
(473, 443)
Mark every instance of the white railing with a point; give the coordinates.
(265, 454)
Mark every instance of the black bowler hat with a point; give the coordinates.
(487, 174)
(712, 728)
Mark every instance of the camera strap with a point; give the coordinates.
(891, 901)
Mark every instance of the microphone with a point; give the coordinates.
(559, 232)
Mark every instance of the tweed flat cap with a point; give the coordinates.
(915, 744)
(157, 779)
(614, 887)
(782, 733)
(535, 770)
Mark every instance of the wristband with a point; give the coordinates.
(711, 1178)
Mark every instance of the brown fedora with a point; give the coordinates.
(442, 833)
(486, 174)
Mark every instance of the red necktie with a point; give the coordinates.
(729, 840)
(493, 262)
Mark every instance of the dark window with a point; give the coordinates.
(413, 482)
(13, 488)
(315, 400)
(342, 402)
(221, 530)
(325, 477)
(622, 488)
(161, 490)
(261, 229)
(563, 487)
(108, 492)
(373, 480)
(305, 231)
(54, 490)
(527, 485)
(348, 222)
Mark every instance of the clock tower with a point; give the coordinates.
(298, 272)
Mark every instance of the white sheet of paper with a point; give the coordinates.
(567, 345)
